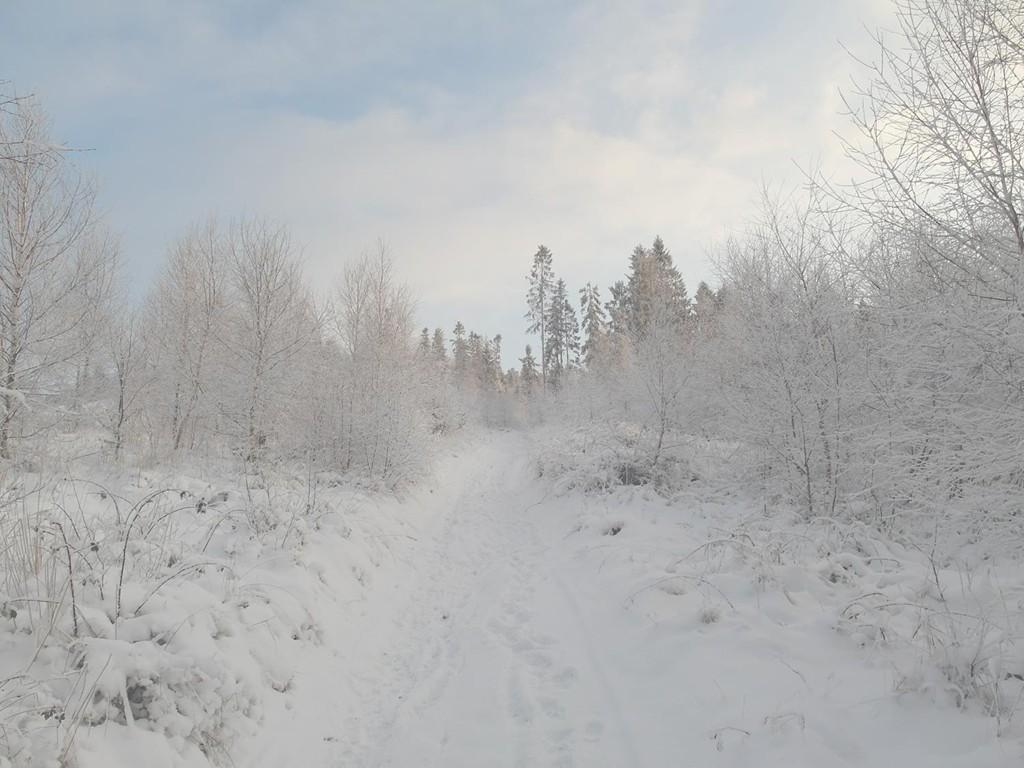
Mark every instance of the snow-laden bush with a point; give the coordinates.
(599, 456)
(960, 630)
(145, 610)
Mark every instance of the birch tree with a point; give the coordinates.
(269, 322)
(383, 424)
(186, 315)
(939, 125)
(939, 119)
(46, 212)
(782, 358)
(125, 347)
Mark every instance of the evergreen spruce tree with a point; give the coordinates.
(496, 345)
(496, 375)
(437, 346)
(618, 309)
(653, 280)
(538, 301)
(557, 335)
(486, 368)
(528, 374)
(460, 353)
(595, 322)
(670, 279)
(638, 288)
(475, 358)
(705, 308)
(563, 333)
(571, 344)
(510, 381)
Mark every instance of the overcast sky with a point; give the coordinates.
(463, 133)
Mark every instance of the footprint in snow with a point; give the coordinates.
(539, 660)
(518, 704)
(566, 677)
(552, 708)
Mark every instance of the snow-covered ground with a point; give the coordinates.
(531, 629)
(487, 619)
(574, 631)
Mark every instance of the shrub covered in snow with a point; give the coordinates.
(161, 607)
(599, 456)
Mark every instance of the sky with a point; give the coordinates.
(461, 133)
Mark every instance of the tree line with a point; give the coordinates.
(229, 355)
(653, 291)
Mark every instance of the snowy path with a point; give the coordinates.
(491, 661)
(484, 670)
(515, 636)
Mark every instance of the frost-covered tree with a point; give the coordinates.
(529, 376)
(124, 344)
(436, 380)
(437, 346)
(660, 370)
(52, 275)
(938, 138)
(653, 283)
(491, 367)
(617, 308)
(496, 353)
(269, 322)
(382, 424)
(476, 356)
(595, 323)
(938, 120)
(706, 306)
(672, 280)
(782, 356)
(563, 333)
(460, 354)
(185, 316)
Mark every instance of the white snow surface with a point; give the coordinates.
(488, 619)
